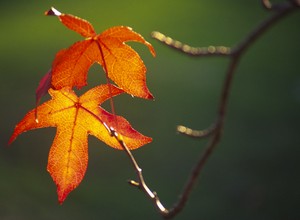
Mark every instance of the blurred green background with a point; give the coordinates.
(254, 172)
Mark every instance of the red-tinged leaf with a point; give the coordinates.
(75, 118)
(45, 82)
(43, 87)
(122, 64)
(81, 26)
(124, 128)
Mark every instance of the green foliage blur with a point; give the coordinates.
(254, 172)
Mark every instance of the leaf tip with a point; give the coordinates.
(62, 195)
(61, 201)
(53, 12)
(151, 48)
(150, 96)
(11, 139)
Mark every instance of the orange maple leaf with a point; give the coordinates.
(120, 62)
(75, 118)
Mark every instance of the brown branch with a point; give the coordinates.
(283, 9)
(215, 131)
(215, 138)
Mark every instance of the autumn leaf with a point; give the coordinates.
(75, 118)
(43, 87)
(121, 63)
(45, 82)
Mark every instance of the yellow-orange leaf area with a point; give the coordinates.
(121, 63)
(75, 118)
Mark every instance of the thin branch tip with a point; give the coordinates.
(277, 6)
(266, 4)
(134, 183)
(190, 50)
(196, 133)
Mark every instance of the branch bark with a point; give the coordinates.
(214, 132)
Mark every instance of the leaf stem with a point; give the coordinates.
(111, 101)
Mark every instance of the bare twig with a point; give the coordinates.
(267, 4)
(215, 131)
(215, 138)
(141, 184)
(189, 50)
(196, 133)
(279, 6)
(285, 8)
